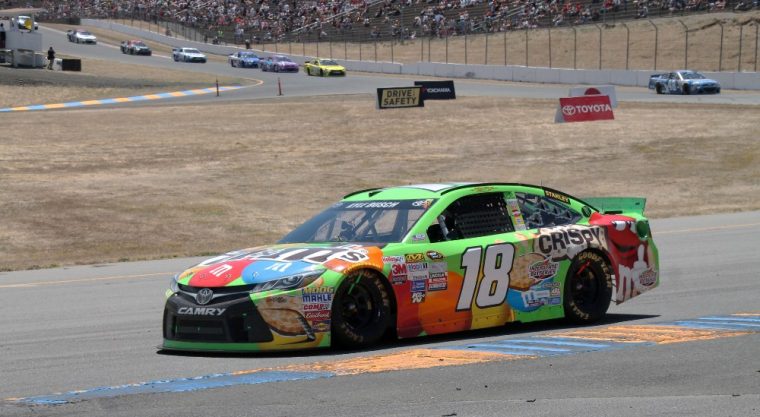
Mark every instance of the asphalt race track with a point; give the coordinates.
(690, 347)
(299, 84)
(90, 327)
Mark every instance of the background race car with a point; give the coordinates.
(244, 59)
(188, 55)
(278, 63)
(683, 82)
(324, 67)
(81, 36)
(414, 261)
(135, 47)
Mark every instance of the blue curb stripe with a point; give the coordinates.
(175, 385)
(158, 96)
(542, 346)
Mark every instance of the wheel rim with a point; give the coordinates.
(584, 286)
(358, 307)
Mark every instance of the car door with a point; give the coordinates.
(672, 82)
(459, 281)
(555, 240)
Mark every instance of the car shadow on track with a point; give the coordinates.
(391, 343)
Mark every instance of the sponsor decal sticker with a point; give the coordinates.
(542, 270)
(414, 257)
(557, 196)
(438, 284)
(418, 297)
(418, 286)
(201, 311)
(434, 255)
(393, 259)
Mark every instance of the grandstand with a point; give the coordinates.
(266, 21)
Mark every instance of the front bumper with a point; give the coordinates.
(232, 322)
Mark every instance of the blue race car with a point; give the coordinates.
(683, 82)
(244, 59)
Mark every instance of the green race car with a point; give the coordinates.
(417, 260)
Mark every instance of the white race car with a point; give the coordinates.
(188, 55)
(81, 36)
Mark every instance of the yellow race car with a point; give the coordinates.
(324, 67)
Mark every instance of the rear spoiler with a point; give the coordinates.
(618, 205)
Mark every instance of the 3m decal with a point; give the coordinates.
(495, 267)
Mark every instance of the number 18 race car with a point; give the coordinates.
(417, 260)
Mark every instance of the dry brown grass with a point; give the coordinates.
(109, 184)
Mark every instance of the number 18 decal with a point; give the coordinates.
(495, 269)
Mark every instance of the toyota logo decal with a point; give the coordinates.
(204, 296)
(568, 110)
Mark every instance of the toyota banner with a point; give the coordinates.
(584, 109)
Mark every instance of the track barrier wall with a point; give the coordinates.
(636, 78)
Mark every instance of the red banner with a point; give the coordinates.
(585, 108)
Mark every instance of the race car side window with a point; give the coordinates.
(472, 216)
(541, 211)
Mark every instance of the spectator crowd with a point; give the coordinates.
(269, 20)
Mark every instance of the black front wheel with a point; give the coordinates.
(361, 311)
(588, 288)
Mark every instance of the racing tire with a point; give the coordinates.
(361, 310)
(658, 88)
(321, 72)
(588, 288)
(686, 90)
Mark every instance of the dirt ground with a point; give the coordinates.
(97, 185)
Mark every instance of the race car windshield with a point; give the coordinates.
(692, 76)
(383, 221)
(248, 55)
(329, 62)
(192, 51)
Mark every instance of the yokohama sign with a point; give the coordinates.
(584, 109)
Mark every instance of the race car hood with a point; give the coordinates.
(194, 54)
(333, 67)
(264, 264)
(82, 36)
(250, 59)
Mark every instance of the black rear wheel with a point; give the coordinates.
(361, 311)
(588, 288)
